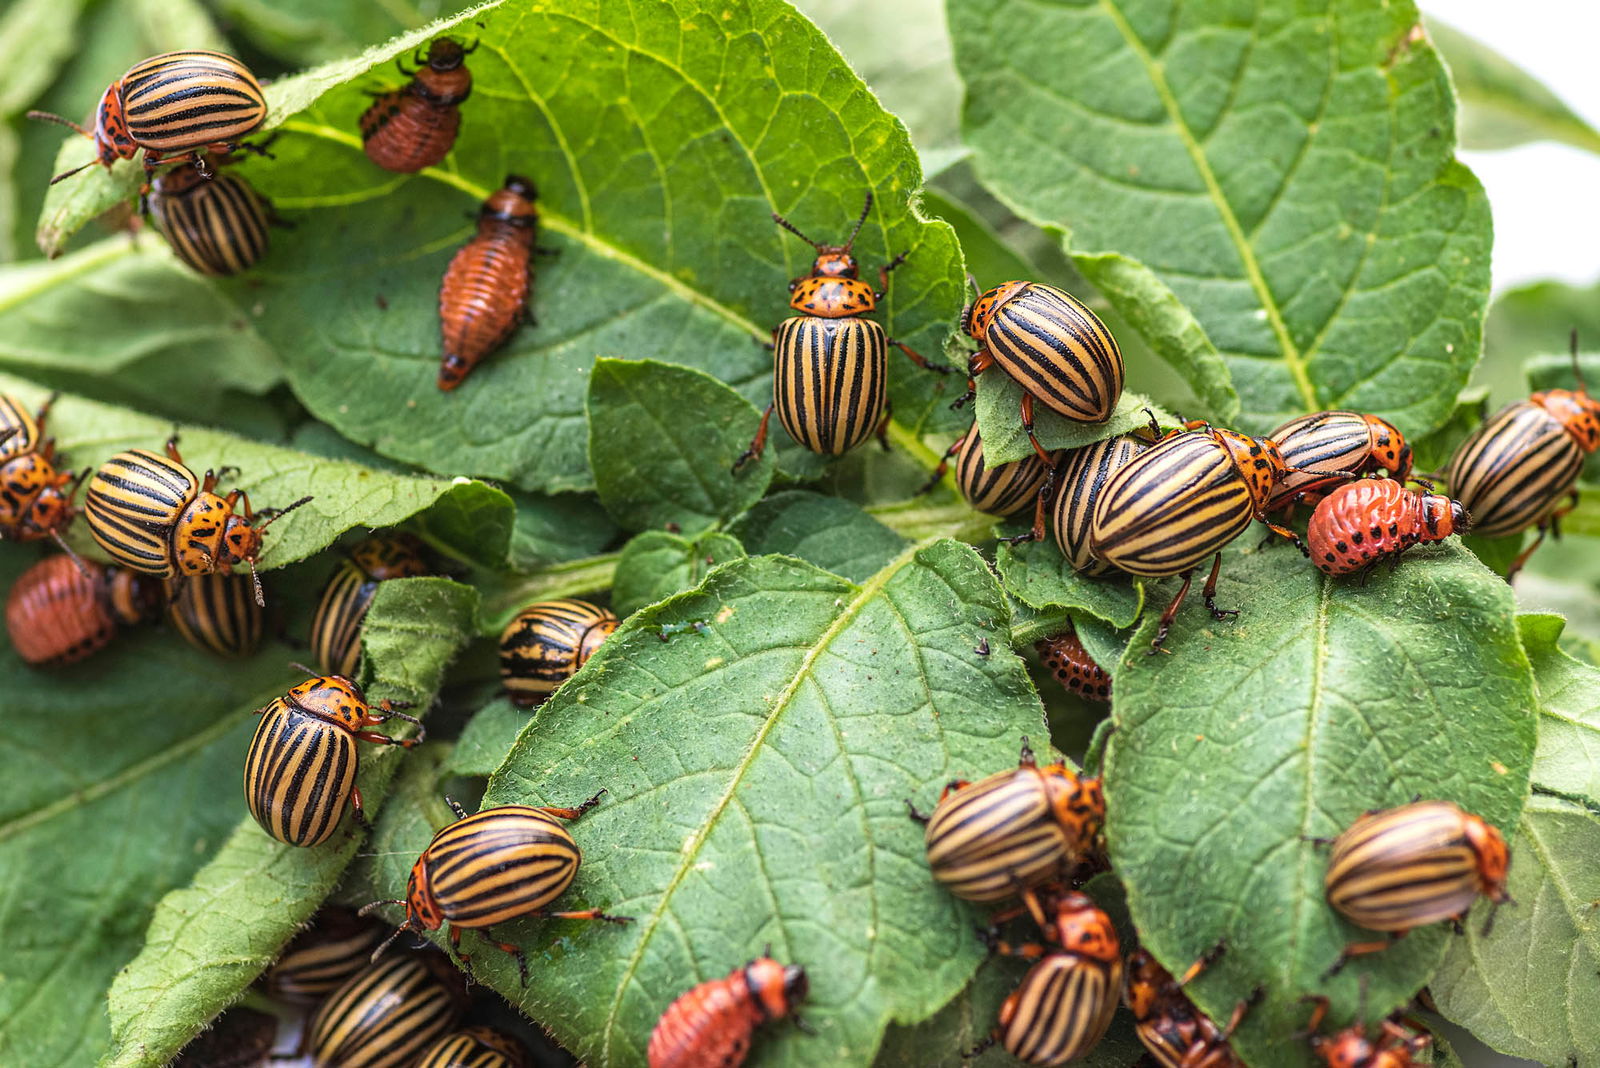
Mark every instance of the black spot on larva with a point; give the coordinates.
(1356, 537)
(1330, 557)
(1341, 546)
(1394, 529)
(1377, 531)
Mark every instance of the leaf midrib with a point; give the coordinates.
(1293, 359)
(866, 593)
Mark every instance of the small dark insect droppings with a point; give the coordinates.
(383, 303)
(673, 528)
(983, 647)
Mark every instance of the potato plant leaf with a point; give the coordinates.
(655, 565)
(345, 495)
(653, 466)
(1288, 176)
(211, 938)
(833, 534)
(1038, 575)
(837, 702)
(1325, 698)
(1527, 988)
(1004, 440)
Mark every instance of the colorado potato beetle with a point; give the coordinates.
(1015, 830)
(216, 613)
(547, 643)
(1362, 523)
(1394, 1046)
(1065, 1002)
(484, 295)
(153, 515)
(301, 767)
(336, 626)
(476, 1047)
(1520, 469)
(1326, 448)
(1050, 344)
(1165, 511)
(503, 863)
(1001, 490)
(1401, 868)
(1065, 657)
(415, 126)
(336, 946)
(1080, 479)
(1177, 1034)
(60, 610)
(831, 365)
(387, 1014)
(35, 498)
(712, 1024)
(219, 226)
(171, 105)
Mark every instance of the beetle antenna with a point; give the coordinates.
(972, 280)
(64, 175)
(46, 116)
(789, 226)
(82, 567)
(301, 667)
(396, 933)
(279, 513)
(255, 580)
(865, 208)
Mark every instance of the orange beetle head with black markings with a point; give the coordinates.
(976, 317)
(35, 502)
(1082, 928)
(423, 911)
(833, 288)
(777, 988)
(334, 698)
(1078, 803)
(1575, 410)
(111, 136)
(1390, 449)
(1258, 460)
(1494, 858)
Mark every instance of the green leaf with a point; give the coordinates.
(654, 467)
(1004, 440)
(834, 535)
(210, 939)
(302, 32)
(776, 815)
(179, 347)
(345, 495)
(1324, 698)
(1287, 174)
(1503, 105)
(555, 529)
(488, 737)
(655, 565)
(1039, 576)
(1534, 321)
(1526, 989)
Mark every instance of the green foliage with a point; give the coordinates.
(1262, 204)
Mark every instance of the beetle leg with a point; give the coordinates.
(882, 433)
(944, 465)
(1361, 949)
(580, 914)
(574, 813)
(1210, 594)
(1285, 532)
(1318, 1014)
(455, 807)
(1046, 492)
(515, 951)
(920, 817)
(883, 274)
(357, 809)
(1204, 961)
(988, 1042)
(1027, 425)
(1239, 1012)
(758, 444)
(384, 739)
(977, 363)
(921, 360)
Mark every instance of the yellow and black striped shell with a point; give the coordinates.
(493, 866)
(336, 946)
(1323, 443)
(829, 380)
(475, 1047)
(1513, 471)
(134, 504)
(336, 626)
(1052, 345)
(1417, 864)
(1002, 490)
(217, 226)
(1080, 479)
(185, 100)
(387, 1014)
(1065, 1002)
(217, 613)
(1014, 830)
(547, 643)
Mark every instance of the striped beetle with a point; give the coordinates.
(1362, 523)
(476, 1047)
(171, 105)
(1081, 478)
(1066, 658)
(1515, 470)
(387, 1014)
(503, 863)
(1400, 868)
(415, 126)
(830, 365)
(153, 515)
(1015, 830)
(1326, 448)
(546, 643)
(1002, 490)
(1050, 344)
(62, 610)
(1065, 1003)
(35, 498)
(712, 1023)
(336, 626)
(1168, 509)
(483, 296)
(1395, 1045)
(301, 767)
(219, 227)
(337, 945)
(216, 613)
(1177, 1034)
